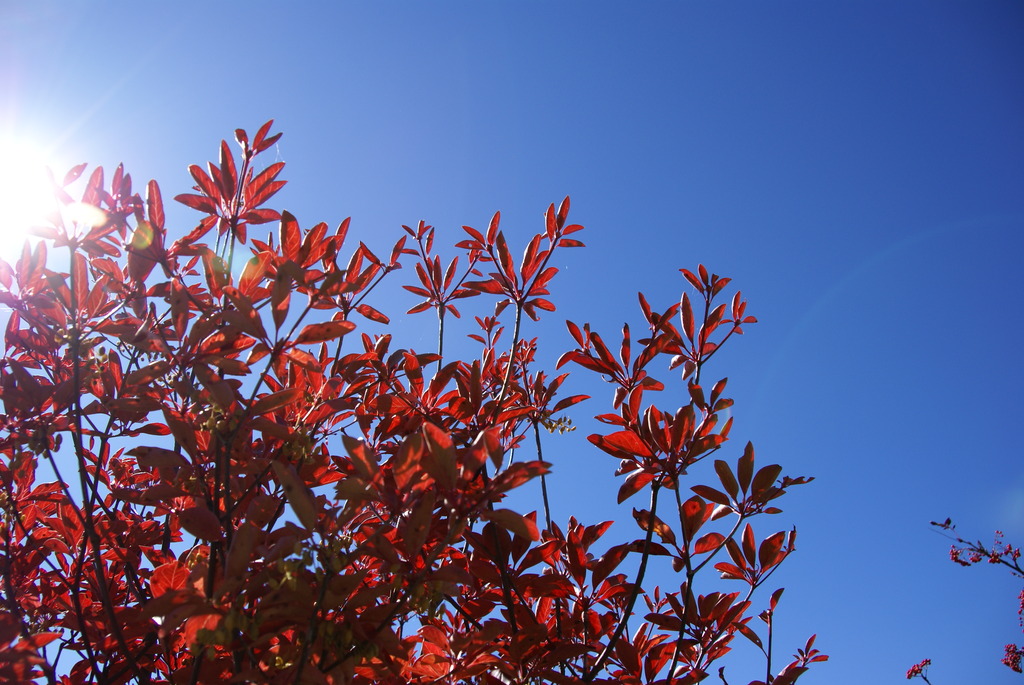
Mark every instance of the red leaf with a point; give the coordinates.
(728, 479)
(514, 523)
(695, 513)
(421, 307)
(710, 493)
(167, 577)
(291, 240)
(745, 467)
(749, 633)
(633, 484)
(262, 132)
(148, 373)
(491, 286)
(765, 478)
(686, 311)
(372, 314)
(253, 273)
(184, 431)
(263, 186)
(73, 174)
(440, 459)
(622, 444)
(539, 285)
(37, 640)
(155, 205)
(243, 541)
(198, 202)
(748, 545)
(261, 142)
(275, 401)
(492, 230)
(530, 262)
(229, 175)
(417, 525)
(297, 492)
(405, 465)
(563, 211)
(322, 332)
(477, 236)
(567, 402)
(574, 331)
(770, 552)
(694, 281)
(204, 183)
(505, 259)
(155, 457)
(363, 458)
(708, 542)
(202, 523)
(647, 522)
(261, 216)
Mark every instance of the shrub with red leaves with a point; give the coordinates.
(209, 473)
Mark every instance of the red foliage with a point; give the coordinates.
(246, 490)
(967, 553)
(919, 670)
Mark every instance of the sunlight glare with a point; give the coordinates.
(26, 197)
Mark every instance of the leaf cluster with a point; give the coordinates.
(209, 473)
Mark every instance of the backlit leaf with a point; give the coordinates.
(202, 523)
(707, 543)
(514, 523)
(275, 401)
(322, 332)
(298, 494)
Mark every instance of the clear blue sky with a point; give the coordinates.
(858, 168)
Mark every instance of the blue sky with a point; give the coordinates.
(857, 168)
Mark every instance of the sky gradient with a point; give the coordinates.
(856, 168)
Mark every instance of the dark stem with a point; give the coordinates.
(314, 625)
(589, 677)
(701, 339)
(90, 490)
(543, 480)
(440, 335)
(511, 361)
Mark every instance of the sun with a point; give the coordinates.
(26, 195)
